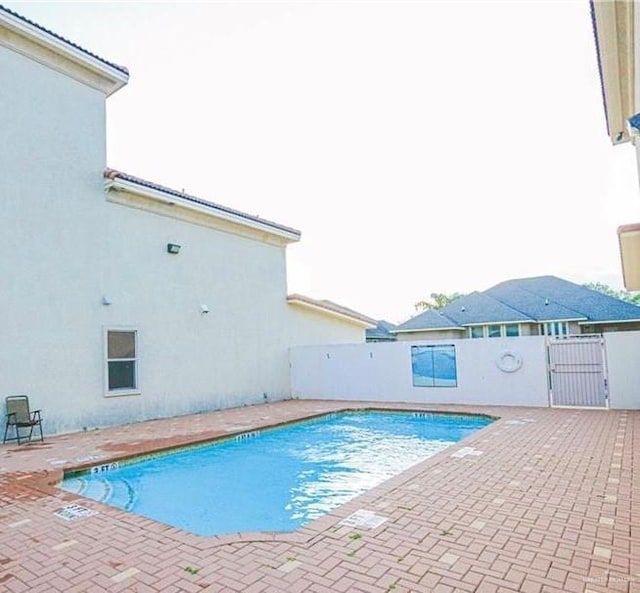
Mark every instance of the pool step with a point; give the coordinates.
(115, 492)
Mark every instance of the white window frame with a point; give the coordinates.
(136, 360)
(483, 328)
(548, 328)
(500, 326)
(504, 330)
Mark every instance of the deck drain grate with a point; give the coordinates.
(74, 511)
(363, 520)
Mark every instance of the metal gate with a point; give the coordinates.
(577, 372)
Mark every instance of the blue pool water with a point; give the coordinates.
(276, 479)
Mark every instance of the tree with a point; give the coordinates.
(623, 295)
(437, 300)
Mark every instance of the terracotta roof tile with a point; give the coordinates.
(114, 174)
(63, 39)
(333, 307)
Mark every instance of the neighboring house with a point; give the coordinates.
(123, 299)
(382, 332)
(616, 28)
(543, 305)
(325, 322)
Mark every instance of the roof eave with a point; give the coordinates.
(614, 35)
(361, 322)
(563, 320)
(425, 329)
(591, 322)
(119, 184)
(114, 79)
(477, 323)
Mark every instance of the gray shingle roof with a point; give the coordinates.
(537, 306)
(526, 300)
(478, 307)
(591, 304)
(382, 331)
(428, 320)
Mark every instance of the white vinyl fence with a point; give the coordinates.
(383, 372)
(491, 371)
(622, 353)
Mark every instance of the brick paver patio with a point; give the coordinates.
(548, 506)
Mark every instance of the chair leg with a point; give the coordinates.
(41, 435)
(6, 431)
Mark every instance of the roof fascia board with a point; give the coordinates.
(525, 321)
(609, 321)
(330, 312)
(476, 324)
(564, 319)
(425, 329)
(615, 31)
(583, 320)
(119, 184)
(38, 45)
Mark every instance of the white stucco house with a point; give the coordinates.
(616, 30)
(122, 299)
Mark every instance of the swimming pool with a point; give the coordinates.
(276, 479)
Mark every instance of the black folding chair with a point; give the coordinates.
(20, 417)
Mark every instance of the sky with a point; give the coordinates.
(419, 146)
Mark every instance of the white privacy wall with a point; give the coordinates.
(623, 356)
(382, 372)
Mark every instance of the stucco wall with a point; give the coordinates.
(623, 354)
(443, 334)
(382, 372)
(610, 327)
(309, 327)
(574, 328)
(529, 329)
(68, 247)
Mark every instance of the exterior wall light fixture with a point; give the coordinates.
(173, 248)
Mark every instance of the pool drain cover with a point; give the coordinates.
(363, 520)
(74, 511)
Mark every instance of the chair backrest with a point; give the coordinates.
(19, 405)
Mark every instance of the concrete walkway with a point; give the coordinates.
(545, 504)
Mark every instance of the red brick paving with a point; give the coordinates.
(547, 507)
